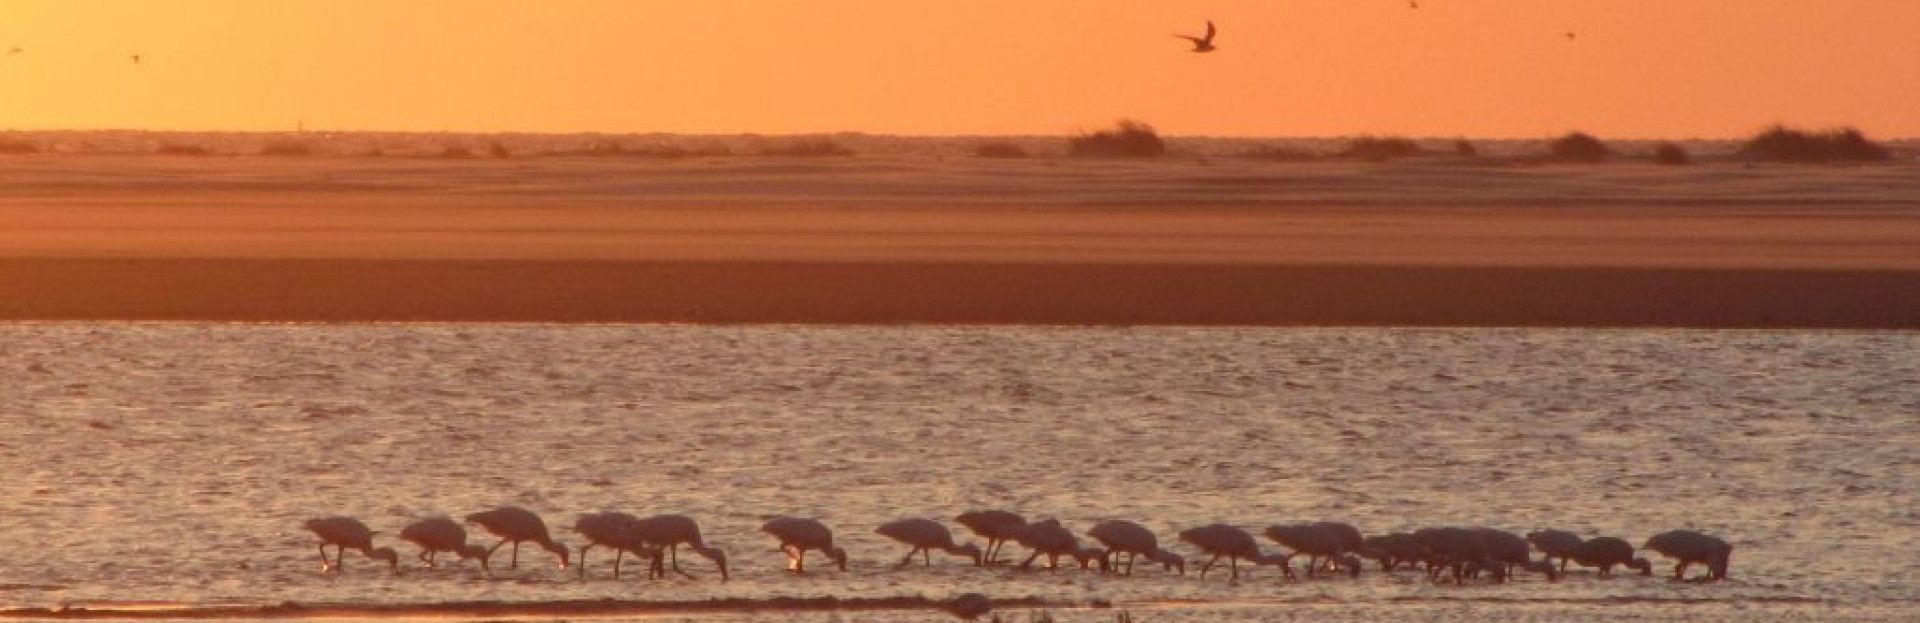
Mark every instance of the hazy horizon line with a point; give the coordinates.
(1060, 135)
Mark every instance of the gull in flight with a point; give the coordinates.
(136, 58)
(1202, 44)
(15, 50)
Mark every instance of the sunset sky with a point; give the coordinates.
(1496, 68)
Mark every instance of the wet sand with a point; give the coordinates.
(900, 240)
(347, 290)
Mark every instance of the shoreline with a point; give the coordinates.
(908, 293)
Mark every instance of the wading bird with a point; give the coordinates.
(617, 531)
(996, 526)
(1234, 544)
(345, 533)
(516, 525)
(797, 535)
(442, 534)
(1605, 552)
(672, 531)
(1134, 540)
(1690, 547)
(926, 535)
(1554, 544)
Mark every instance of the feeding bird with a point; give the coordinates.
(345, 533)
(441, 534)
(1202, 44)
(515, 525)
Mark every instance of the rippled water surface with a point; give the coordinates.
(173, 463)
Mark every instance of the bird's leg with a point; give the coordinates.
(1680, 571)
(926, 557)
(1233, 563)
(325, 564)
(583, 560)
(496, 547)
(515, 563)
(1209, 565)
(800, 562)
(617, 555)
(674, 554)
(909, 559)
(1130, 557)
(1029, 563)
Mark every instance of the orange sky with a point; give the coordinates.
(1640, 68)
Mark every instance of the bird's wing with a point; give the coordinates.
(1210, 31)
(1196, 40)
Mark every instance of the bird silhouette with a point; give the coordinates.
(135, 57)
(1224, 541)
(619, 531)
(15, 50)
(1556, 544)
(1413, 4)
(1053, 540)
(926, 535)
(996, 526)
(345, 533)
(1134, 540)
(1202, 44)
(797, 535)
(1690, 547)
(516, 525)
(441, 534)
(1605, 552)
(670, 532)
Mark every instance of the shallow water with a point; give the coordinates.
(173, 463)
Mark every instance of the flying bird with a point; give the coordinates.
(15, 50)
(1413, 4)
(136, 58)
(1571, 35)
(1202, 45)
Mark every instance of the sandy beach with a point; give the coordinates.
(895, 239)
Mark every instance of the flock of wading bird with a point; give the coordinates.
(1329, 547)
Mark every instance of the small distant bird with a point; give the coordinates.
(1571, 36)
(1413, 4)
(136, 58)
(1202, 45)
(15, 50)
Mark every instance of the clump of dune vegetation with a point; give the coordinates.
(999, 149)
(182, 149)
(1579, 147)
(1128, 139)
(1465, 149)
(809, 148)
(1786, 144)
(456, 152)
(18, 147)
(1381, 148)
(1671, 154)
(498, 149)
